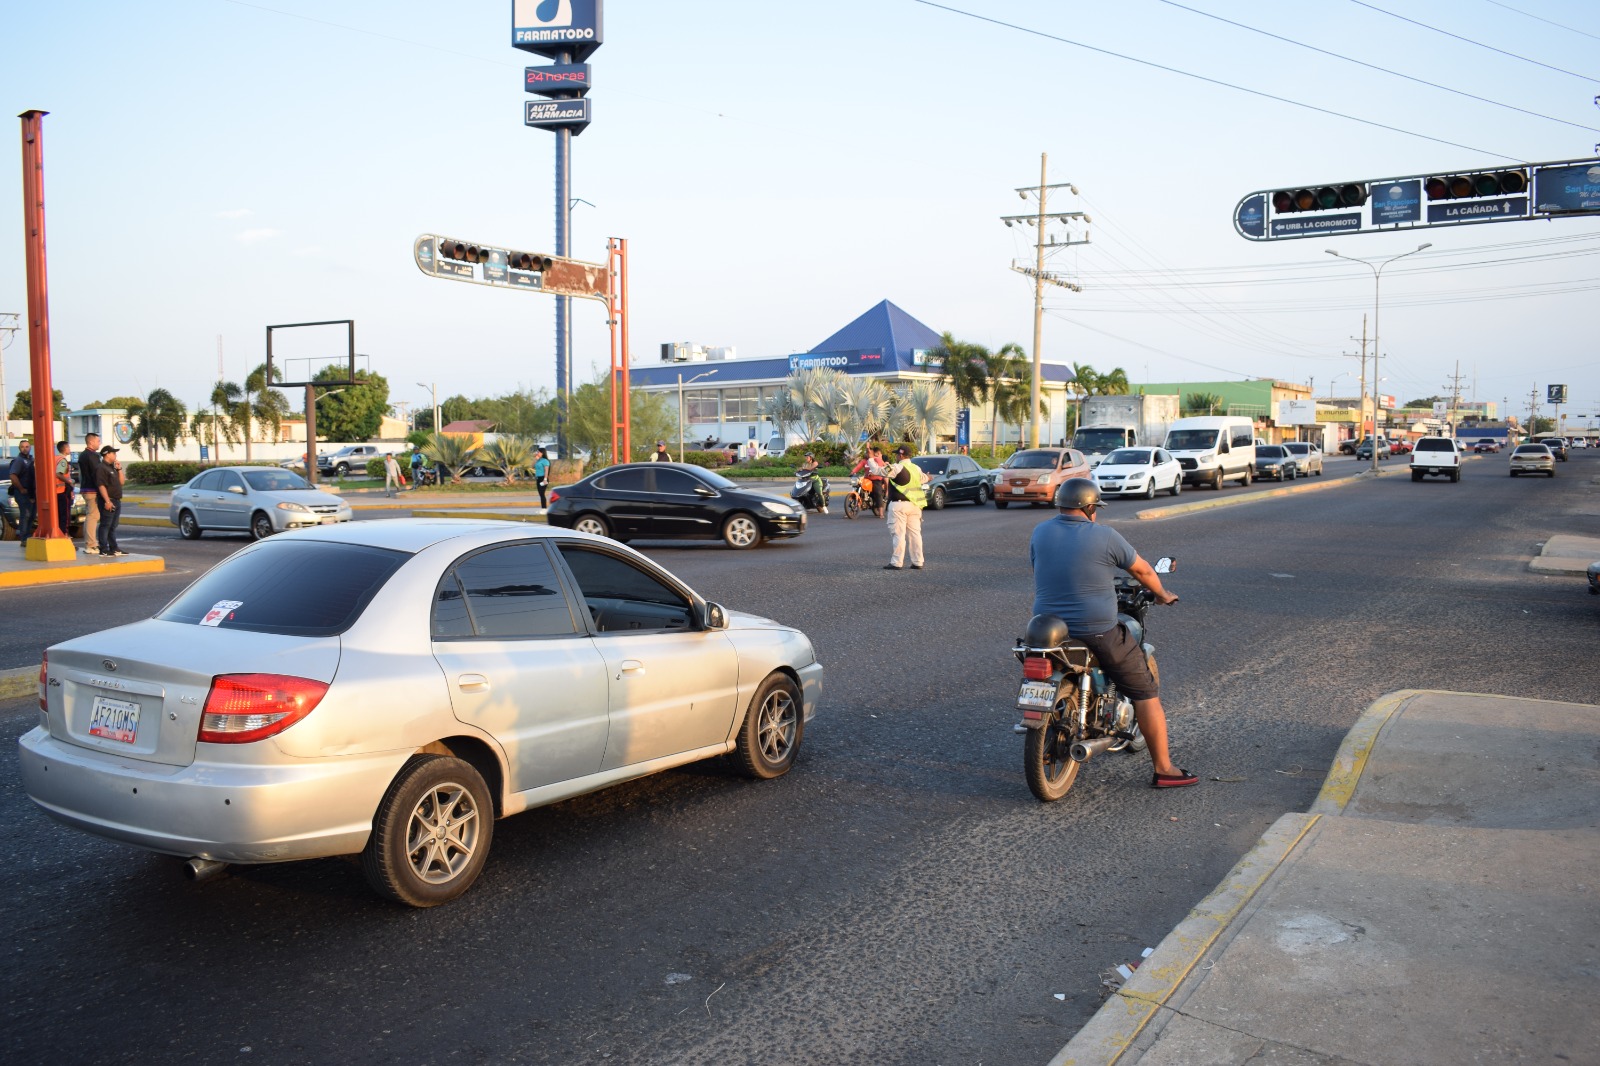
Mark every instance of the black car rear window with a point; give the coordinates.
(291, 586)
(1434, 444)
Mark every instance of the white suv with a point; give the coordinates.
(1436, 455)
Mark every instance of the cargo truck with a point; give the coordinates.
(1107, 423)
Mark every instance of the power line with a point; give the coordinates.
(1468, 40)
(1210, 81)
(1374, 66)
(1540, 18)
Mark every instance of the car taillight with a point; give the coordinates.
(44, 679)
(1036, 668)
(241, 708)
(554, 495)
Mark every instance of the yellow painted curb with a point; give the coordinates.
(55, 573)
(1351, 760)
(491, 516)
(145, 520)
(1119, 1021)
(1180, 509)
(23, 681)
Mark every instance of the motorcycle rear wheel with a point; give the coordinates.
(1046, 762)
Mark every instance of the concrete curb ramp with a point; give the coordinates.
(1566, 555)
(1436, 905)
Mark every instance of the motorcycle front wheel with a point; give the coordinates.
(1046, 762)
(852, 506)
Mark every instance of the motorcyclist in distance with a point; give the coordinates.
(874, 470)
(1075, 566)
(811, 466)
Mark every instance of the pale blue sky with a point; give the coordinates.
(213, 166)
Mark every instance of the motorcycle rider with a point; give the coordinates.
(1075, 564)
(876, 471)
(811, 466)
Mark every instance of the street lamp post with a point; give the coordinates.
(1377, 274)
(433, 394)
(681, 384)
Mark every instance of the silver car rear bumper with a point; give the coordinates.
(224, 811)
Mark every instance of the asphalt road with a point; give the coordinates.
(900, 897)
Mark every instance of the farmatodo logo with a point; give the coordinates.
(547, 13)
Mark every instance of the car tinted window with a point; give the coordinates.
(503, 593)
(629, 480)
(963, 465)
(932, 466)
(1435, 444)
(1128, 457)
(274, 480)
(292, 586)
(676, 482)
(1269, 451)
(1035, 459)
(1532, 449)
(227, 479)
(1243, 436)
(207, 480)
(622, 597)
(1298, 449)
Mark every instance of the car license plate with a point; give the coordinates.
(114, 719)
(1019, 489)
(329, 520)
(1037, 694)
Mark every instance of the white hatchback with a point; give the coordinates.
(1139, 472)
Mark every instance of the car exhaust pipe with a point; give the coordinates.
(198, 869)
(1082, 751)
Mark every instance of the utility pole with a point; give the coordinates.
(1361, 401)
(1038, 273)
(9, 327)
(1455, 397)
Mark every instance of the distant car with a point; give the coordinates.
(651, 500)
(1032, 475)
(1486, 447)
(1580, 442)
(952, 478)
(350, 457)
(1139, 472)
(258, 500)
(1436, 457)
(11, 515)
(1274, 462)
(1399, 446)
(1307, 457)
(1347, 447)
(1533, 459)
(390, 689)
(1557, 446)
(1364, 451)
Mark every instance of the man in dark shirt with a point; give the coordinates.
(22, 490)
(110, 492)
(1075, 566)
(89, 485)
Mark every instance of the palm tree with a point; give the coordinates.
(1202, 401)
(158, 421)
(818, 393)
(1010, 385)
(931, 406)
(260, 405)
(1113, 383)
(508, 453)
(453, 451)
(782, 410)
(218, 411)
(866, 404)
(963, 366)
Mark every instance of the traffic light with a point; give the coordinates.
(1322, 198)
(1469, 186)
(531, 261)
(463, 252)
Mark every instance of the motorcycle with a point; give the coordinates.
(810, 491)
(862, 495)
(1071, 711)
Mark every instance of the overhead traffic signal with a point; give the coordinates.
(1469, 186)
(531, 261)
(463, 252)
(1322, 198)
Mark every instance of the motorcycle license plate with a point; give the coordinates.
(1040, 694)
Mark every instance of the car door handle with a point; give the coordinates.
(630, 666)
(472, 683)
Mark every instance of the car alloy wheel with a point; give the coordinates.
(592, 523)
(741, 531)
(260, 525)
(771, 733)
(430, 837)
(936, 499)
(188, 527)
(983, 495)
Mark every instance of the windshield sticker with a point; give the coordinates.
(220, 612)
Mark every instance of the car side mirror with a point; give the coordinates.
(713, 616)
(237, 490)
(1222, 448)
(1166, 564)
(701, 490)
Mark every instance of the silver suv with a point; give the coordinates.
(1436, 455)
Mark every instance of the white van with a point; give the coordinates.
(1214, 448)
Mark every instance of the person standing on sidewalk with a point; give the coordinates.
(109, 490)
(63, 475)
(391, 474)
(906, 501)
(89, 483)
(661, 455)
(541, 476)
(22, 476)
(1075, 566)
(416, 467)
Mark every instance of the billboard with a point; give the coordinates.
(556, 27)
(1297, 413)
(848, 361)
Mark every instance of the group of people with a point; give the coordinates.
(901, 484)
(100, 478)
(394, 479)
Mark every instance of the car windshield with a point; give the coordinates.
(1270, 451)
(1129, 457)
(1184, 440)
(932, 466)
(289, 585)
(1434, 444)
(1033, 459)
(1099, 440)
(274, 480)
(1297, 449)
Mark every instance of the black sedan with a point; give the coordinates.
(952, 478)
(653, 500)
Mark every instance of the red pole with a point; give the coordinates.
(627, 312)
(44, 408)
(618, 455)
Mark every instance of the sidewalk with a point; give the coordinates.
(1439, 904)
(18, 572)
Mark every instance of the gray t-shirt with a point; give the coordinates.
(1075, 565)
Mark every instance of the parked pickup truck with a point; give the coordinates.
(1436, 455)
(350, 457)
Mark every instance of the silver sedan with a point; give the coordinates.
(259, 500)
(389, 689)
(1307, 457)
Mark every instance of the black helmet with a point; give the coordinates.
(1078, 494)
(1046, 631)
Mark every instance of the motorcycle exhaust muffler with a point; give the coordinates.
(1083, 750)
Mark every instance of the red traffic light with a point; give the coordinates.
(1469, 186)
(530, 261)
(449, 249)
(1322, 198)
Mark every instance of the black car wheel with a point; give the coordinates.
(260, 525)
(592, 523)
(343, 470)
(936, 499)
(983, 495)
(741, 531)
(188, 527)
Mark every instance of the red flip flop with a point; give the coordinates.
(1181, 779)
